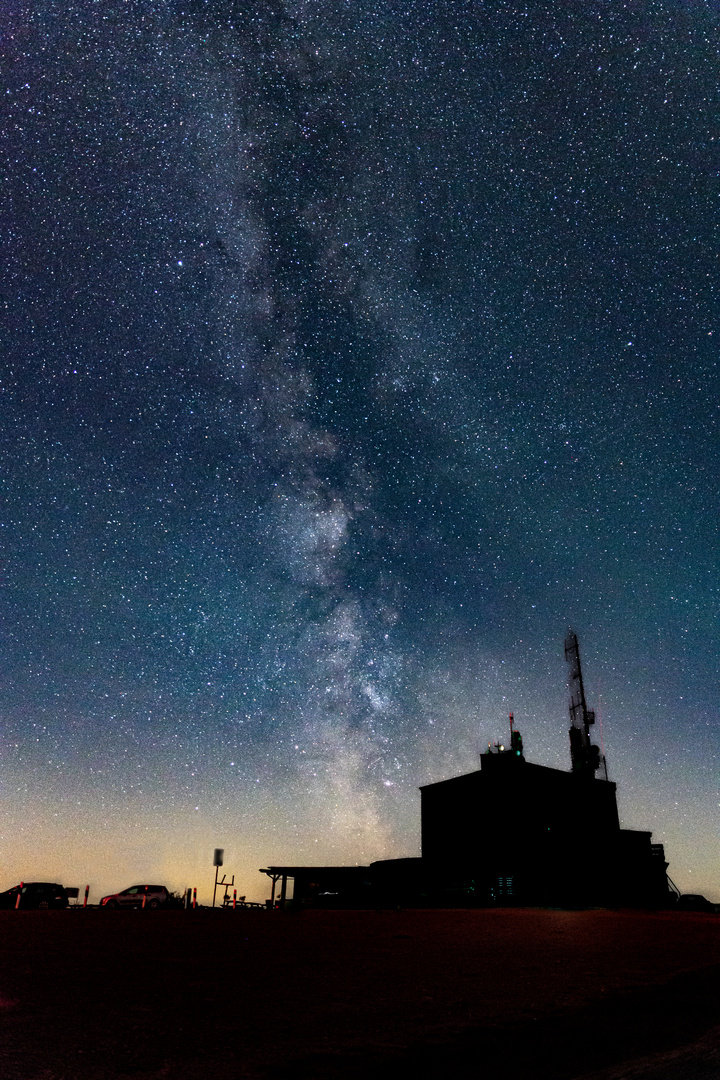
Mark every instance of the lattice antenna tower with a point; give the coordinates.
(584, 755)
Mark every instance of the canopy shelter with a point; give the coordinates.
(331, 886)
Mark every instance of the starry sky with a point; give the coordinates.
(351, 353)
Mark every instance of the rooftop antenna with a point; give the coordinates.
(515, 746)
(585, 756)
(516, 743)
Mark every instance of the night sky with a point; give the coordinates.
(352, 352)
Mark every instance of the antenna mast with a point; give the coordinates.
(585, 756)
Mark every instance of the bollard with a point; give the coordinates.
(87, 890)
(17, 902)
(194, 898)
(234, 899)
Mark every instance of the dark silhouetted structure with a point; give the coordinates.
(511, 833)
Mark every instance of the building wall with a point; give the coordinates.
(523, 833)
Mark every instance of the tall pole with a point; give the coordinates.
(217, 862)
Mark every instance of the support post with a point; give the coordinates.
(217, 862)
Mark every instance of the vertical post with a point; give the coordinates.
(217, 862)
(234, 899)
(272, 893)
(17, 902)
(283, 891)
(87, 891)
(194, 898)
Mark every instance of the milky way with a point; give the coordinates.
(352, 352)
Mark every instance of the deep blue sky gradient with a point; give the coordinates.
(352, 353)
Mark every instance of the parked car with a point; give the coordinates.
(35, 894)
(154, 896)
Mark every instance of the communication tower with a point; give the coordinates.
(585, 756)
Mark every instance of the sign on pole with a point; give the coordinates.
(217, 861)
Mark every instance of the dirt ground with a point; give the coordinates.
(533, 994)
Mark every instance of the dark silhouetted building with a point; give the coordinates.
(514, 832)
(511, 833)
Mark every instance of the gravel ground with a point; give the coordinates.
(491, 994)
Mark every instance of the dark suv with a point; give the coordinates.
(137, 896)
(35, 894)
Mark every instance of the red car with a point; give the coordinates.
(137, 896)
